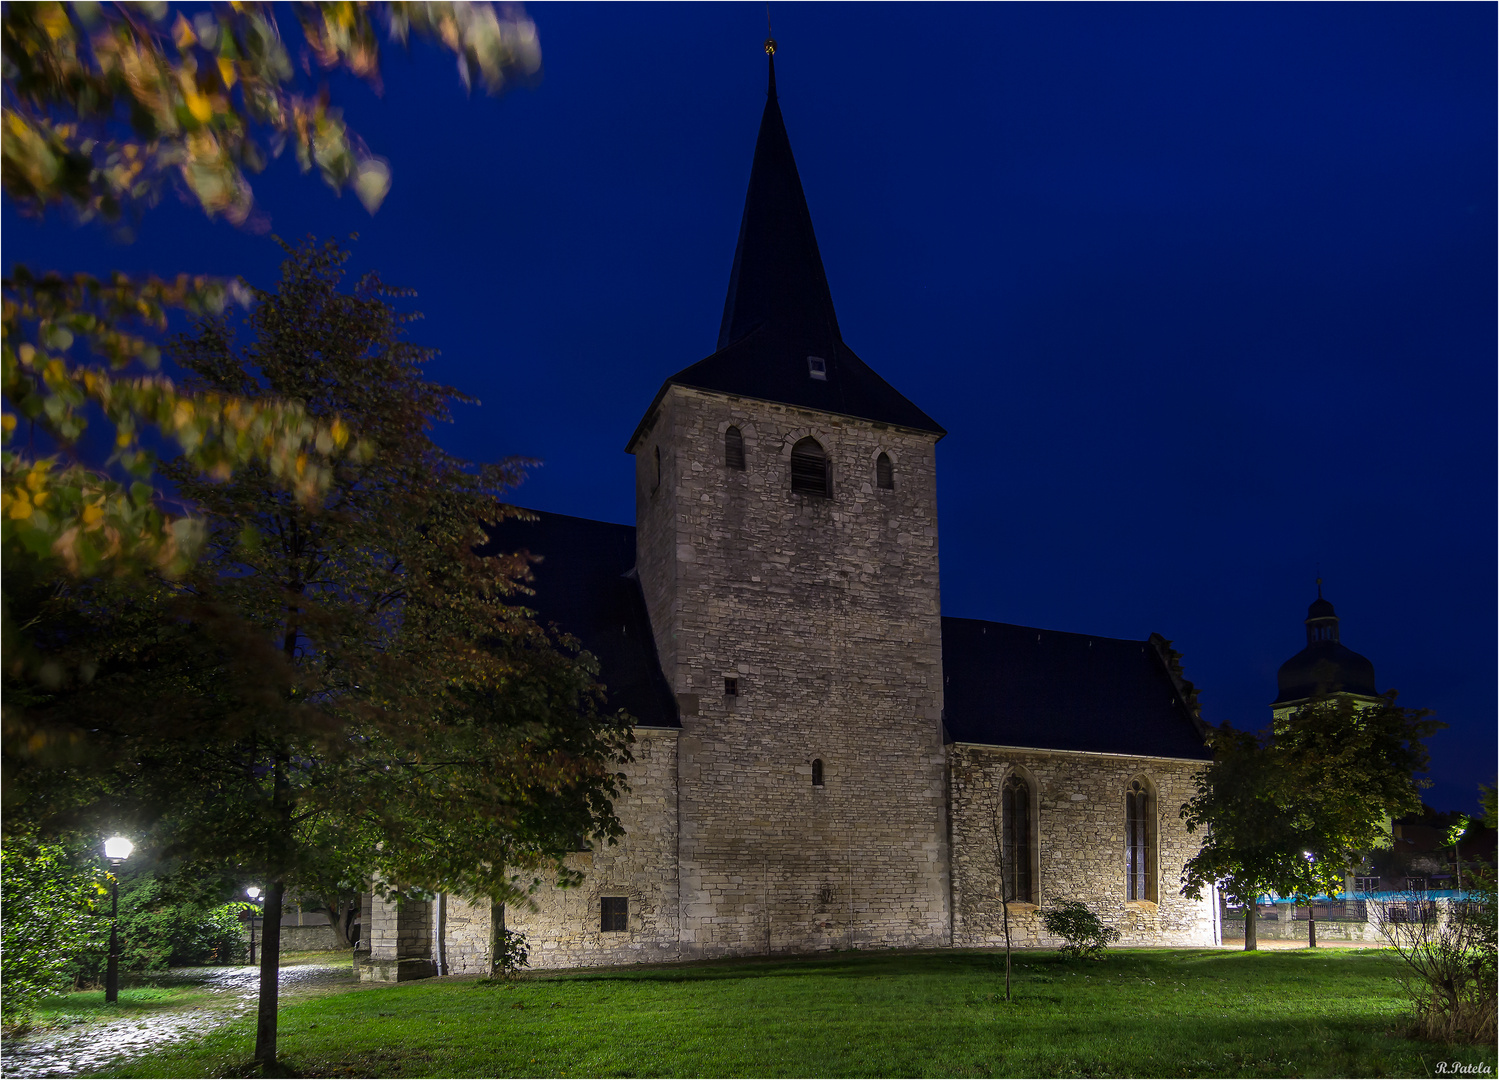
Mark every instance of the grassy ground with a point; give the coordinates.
(148, 994)
(89, 1005)
(1140, 1013)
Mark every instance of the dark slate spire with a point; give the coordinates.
(779, 339)
(777, 278)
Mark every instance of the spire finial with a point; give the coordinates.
(770, 40)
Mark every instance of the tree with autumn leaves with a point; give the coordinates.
(310, 677)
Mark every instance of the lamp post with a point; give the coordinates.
(254, 893)
(1311, 912)
(116, 849)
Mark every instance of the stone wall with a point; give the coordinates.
(399, 938)
(1078, 839)
(826, 611)
(468, 929)
(563, 929)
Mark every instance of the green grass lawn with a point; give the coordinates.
(89, 1005)
(1139, 1013)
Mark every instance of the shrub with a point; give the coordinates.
(1085, 934)
(160, 928)
(52, 913)
(510, 954)
(1451, 973)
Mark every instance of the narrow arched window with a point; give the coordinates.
(1017, 839)
(657, 484)
(817, 773)
(809, 468)
(1138, 872)
(884, 472)
(733, 448)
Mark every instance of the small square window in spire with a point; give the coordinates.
(817, 367)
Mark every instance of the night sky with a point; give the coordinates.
(1205, 294)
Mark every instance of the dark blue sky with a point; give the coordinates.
(1205, 294)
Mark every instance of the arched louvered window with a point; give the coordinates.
(733, 449)
(884, 472)
(809, 468)
(1017, 839)
(1139, 883)
(817, 773)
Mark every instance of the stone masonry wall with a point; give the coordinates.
(827, 613)
(564, 929)
(468, 936)
(1078, 833)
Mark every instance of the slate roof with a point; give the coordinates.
(1020, 686)
(1325, 666)
(1005, 685)
(586, 585)
(779, 309)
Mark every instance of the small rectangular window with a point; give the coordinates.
(817, 367)
(614, 914)
(1366, 884)
(731, 688)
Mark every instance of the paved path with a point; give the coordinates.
(99, 1045)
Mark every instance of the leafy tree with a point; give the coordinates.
(1251, 844)
(51, 918)
(336, 692)
(104, 105)
(1288, 812)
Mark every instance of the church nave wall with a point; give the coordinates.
(1079, 837)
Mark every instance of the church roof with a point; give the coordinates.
(1005, 685)
(1008, 685)
(1324, 667)
(779, 309)
(586, 585)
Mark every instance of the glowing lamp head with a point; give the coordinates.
(253, 892)
(117, 849)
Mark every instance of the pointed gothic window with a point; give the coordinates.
(1017, 840)
(1139, 874)
(733, 449)
(809, 468)
(884, 472)
(817, 773)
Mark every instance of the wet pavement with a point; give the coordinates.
(98, 1045)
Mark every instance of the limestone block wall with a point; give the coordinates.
(826, 613)
(399, 930)
(1078, 834)
(563, 927)
(468, 928)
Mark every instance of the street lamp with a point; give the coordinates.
(1311, 911)
(116, 849)
(254, 893)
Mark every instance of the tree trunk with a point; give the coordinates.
(1251, 939)
(1311, 927)
(270, 969)
(340, 915)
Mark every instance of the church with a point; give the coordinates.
(822, 760)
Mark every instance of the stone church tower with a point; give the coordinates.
(787, 550)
